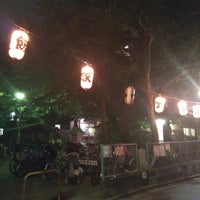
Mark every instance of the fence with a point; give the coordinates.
(120, 166)
(171, 160)
(125, 168)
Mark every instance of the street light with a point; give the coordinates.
(12, 115)
(19, 96)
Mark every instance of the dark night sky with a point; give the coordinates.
(10, 11)
(16, 6)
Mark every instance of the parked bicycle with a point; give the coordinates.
(122, 161)
(2, 153)
(69, 167)
(93, 162)
(27, 160)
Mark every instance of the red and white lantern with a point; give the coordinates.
(196, 111)
(129, 95)
(87, 75)
(160, 104)
(182, 107)
(18, 44)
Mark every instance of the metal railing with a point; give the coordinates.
(41, 172)
(168, 153)
(170, 161)
(122, 169)
(118, 159)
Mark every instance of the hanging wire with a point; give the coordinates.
(86, 63)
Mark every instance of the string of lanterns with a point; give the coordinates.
(17, 47)
(183, 107)
(18, 44)
(160, 103)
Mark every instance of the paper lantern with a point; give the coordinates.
(18, 43)
(87, 75)
(160, 104)
(196, 111)
(182, 107)
(129, 95)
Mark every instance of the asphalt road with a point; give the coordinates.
(183, 190)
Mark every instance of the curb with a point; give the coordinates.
(144, 188)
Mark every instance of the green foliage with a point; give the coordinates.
(69, 33)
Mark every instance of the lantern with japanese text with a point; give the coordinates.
(18, 43)
(129, 95)
(182, 107)
(160, 104)
(87, 75)
(196, 111)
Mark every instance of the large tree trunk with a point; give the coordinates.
(147, 63)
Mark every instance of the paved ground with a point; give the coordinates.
(38, 188)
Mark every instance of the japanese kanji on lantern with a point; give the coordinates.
(160, 104)
(18, 43)
(196, 111)
(87, 75)
(182, 107)
(129, 95)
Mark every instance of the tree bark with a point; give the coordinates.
(147, 63)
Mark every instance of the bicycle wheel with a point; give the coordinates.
(13, 166)
(132, 166)
(21, 170)
(63, 170)
(117, 165)
(1, 155)
(94, 176)
(51, 175)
